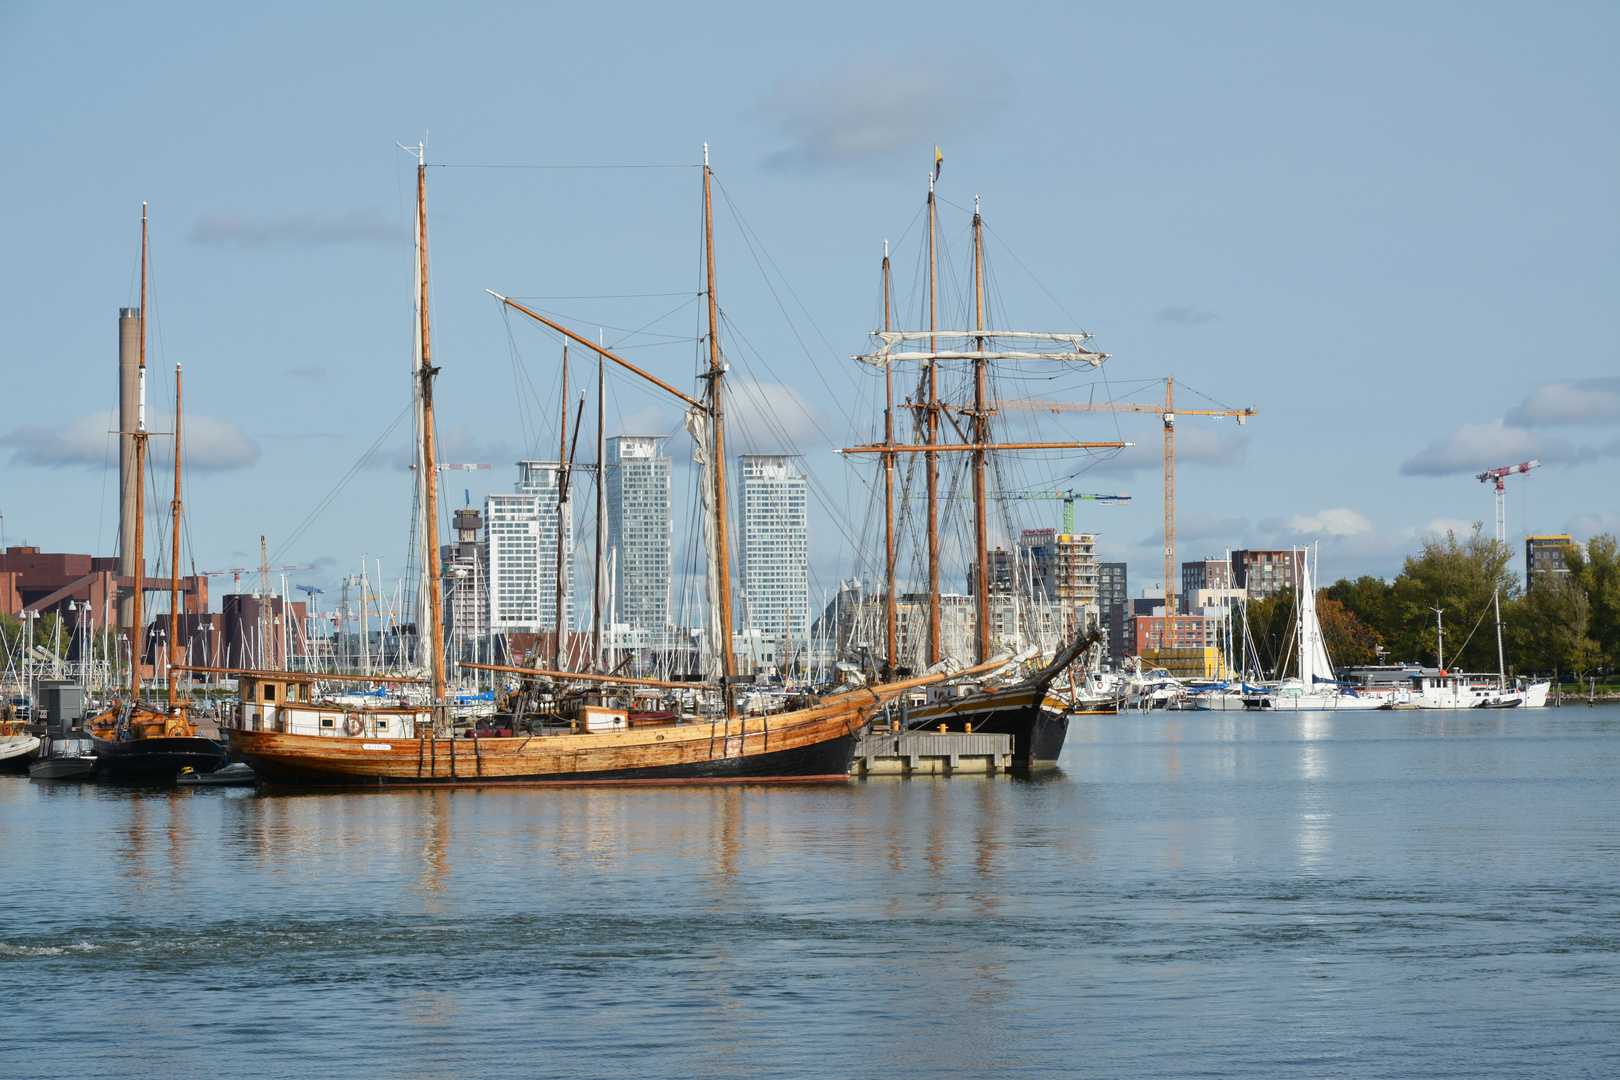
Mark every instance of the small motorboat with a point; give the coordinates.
(69, 759)
(18, 747)
(235, 774)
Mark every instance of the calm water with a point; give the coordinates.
(1198, 894)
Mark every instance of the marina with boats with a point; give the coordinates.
(992, 675)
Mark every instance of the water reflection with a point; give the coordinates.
(1265, 874)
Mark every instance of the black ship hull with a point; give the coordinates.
(1038, 724)
(823, 761)
(157, 760)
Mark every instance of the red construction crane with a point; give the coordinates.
(1501, 492)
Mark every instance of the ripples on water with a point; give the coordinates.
(1196, 894)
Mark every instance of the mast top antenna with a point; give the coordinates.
(705, 155)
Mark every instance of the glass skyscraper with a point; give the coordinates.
(522, 530)
(775, 546)
(641, 529)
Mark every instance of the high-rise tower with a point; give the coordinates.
(641, 529)
(775, 548)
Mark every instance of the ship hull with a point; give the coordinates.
(1038, 722)
(826, 761)
(156, 760)
(64, 768)
(810, 745)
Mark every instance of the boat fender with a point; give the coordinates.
(353, 725)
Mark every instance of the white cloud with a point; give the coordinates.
(650, 419)
(456, 445)
(1473, 448)
(1198, 444)
(211, 444)
(1439, 527)
(357, 226)
(771, 418)
(1585, 401)
(874, 107)
(1586, 526)
(1339, 522)
(1491, 444)
(1185, 314)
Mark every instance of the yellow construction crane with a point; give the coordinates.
(1168, 412)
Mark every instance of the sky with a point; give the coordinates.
(1390, 228)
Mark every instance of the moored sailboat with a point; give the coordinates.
(289, 736)
(134, 741)
(1028, 708)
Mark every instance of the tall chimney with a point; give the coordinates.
(129, 362)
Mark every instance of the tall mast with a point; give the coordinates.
(728, 664)
(1169, 498)
(430, 468)
(891, 635)
(601, 507)
(562, 499)
(174, 558)
(137, 632)
(933, 440)
(981, 435)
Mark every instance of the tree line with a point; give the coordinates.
(1563, 626)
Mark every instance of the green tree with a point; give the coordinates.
(1271, 625)
(1460, 577)
(1596, 572)
(1548, 628)
(1368, 599)
(11, 633)
(1349, 641)
(51, 633)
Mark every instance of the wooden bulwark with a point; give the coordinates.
(803, 744)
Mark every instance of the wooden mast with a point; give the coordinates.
(174, 559)
(1170, 498)
(430, 468)
(933, 440)
(562, 500)
(137, 633)
(981, 435)
(599, 660)
(728, 664)
(890, 614)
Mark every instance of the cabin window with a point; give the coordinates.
(328, 721)
(269, 691)
(382, 725)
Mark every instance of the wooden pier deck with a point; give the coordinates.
(907, 753)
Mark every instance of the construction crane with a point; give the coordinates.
(444, 467)
(310, 592)
(240, 570)
(1168, 414)
(1501, 491)
(1068, 498)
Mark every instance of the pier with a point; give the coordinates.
(909, 753)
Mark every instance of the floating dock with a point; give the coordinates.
(908, 753)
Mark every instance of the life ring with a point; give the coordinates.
(353, 725)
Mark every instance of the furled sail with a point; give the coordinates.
(697, 423)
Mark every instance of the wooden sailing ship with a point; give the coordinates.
(291, 736)
(1026, 708)
(136, 741)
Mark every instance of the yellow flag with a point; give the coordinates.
(939, 159)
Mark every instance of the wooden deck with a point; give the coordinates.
(907, 753)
